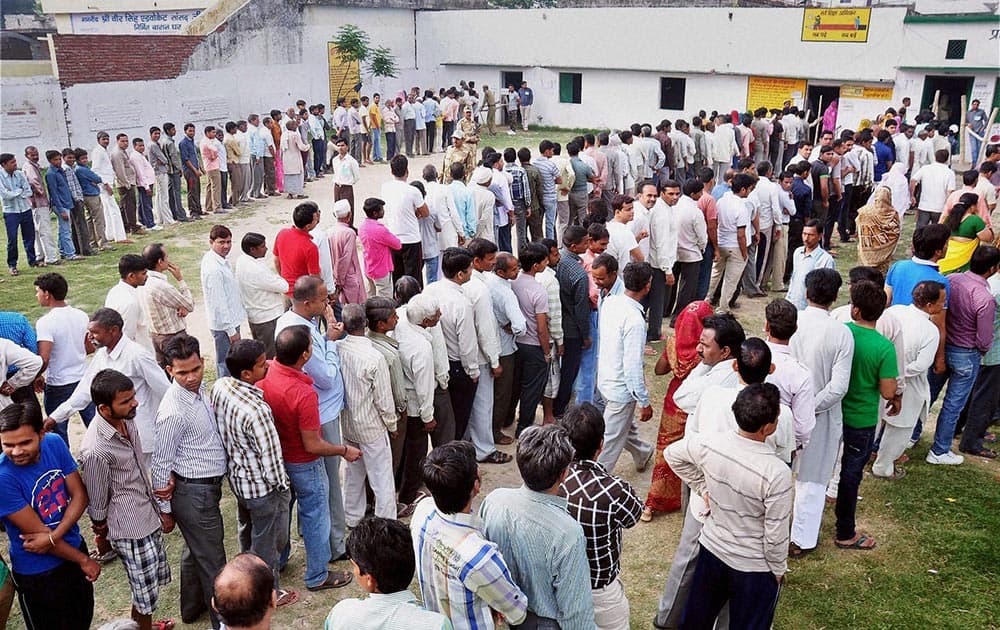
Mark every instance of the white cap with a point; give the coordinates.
(482, 175)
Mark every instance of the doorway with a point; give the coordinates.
(508, 77)
(950, 98)
(828, 94)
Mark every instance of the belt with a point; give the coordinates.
(205, 481)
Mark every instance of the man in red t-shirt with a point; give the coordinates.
(288, 390)
(295, 254)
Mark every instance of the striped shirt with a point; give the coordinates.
(389, 349)
(461, 574)
(750, 498)
(384, 611)
(246, 426)
(603, 505)
(113, 469)
(161, 301)
(74, 184)
(369, 411)
(187, 440)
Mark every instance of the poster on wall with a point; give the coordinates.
(132, 23)
(343, 77)
(859, 102)
(836, 25)
(772, 92)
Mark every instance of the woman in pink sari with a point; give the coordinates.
(830, 117)
(680, 356)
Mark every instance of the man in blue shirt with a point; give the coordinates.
(885, 154)
(61, 202)
(929, 244)
(527, 99)
(41, 499)
(15, 191)
(192, 170)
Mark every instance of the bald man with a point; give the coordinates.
(243, 596)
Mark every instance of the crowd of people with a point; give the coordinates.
(468, 297)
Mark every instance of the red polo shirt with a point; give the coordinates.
(295, 406)
(298, 255)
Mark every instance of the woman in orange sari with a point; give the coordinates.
(680, 356)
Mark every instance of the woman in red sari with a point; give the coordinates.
(680, 356)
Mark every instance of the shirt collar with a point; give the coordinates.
(541, 497)
(383, 338)
(779, 348)
(589, 464)
(924, 261)
(399, 597)
(187, 395)
(753, 445)
(285, 371)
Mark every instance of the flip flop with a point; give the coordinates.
(334, 579)
(14, 271)
(794, 551)
(858, 543)
(287, 598)
(103, 558)
(503, 440)
(164, 624)
(496, 457)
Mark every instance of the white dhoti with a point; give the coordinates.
(480, 428)
(114, 226)
(814, 468)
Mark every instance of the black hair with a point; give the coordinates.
(532, 254)
(481, 248)
(693, 186)
(970, 177)
(984, 258)
(378, 309)
(290, 343)
(742, 181)
(863, 272)
(574, 235)
(455, 260)
(107, 384)
(665, 184)
(728, 332)
(450, 472)
(180, 347)
(130, 263)
(383, 549)
(782, 319)
(53, 283)
(372, 206)
(757, 405)
(399, 165)
(406, 287)
(52, 153)
(250, 241)
(458, 171)
(869, 299)
(637, 275)
(926, 292)
(597, 231)
(303, 213)
(108, 318)
(18, 415)
(754, 360)
(822, 286)
(930, 239)
(584, 425)
(607, 261)
(243, 355)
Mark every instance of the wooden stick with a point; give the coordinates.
(819, 116)
(986, 135)
(964, 138)
(934, 107)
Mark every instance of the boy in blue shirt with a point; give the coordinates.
(41, 499)
(61, 202)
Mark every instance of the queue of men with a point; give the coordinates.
(452, 325)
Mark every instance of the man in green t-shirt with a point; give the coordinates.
(873, 377)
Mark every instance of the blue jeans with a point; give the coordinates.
(56, 395)
(222, 344)
(963, 368)
(586, 377)
(12, 221)
(312, 494)
(145, 208)
(503, 237)
(66, 248)
(550, 216)
(431, 266)
(975, 145)
(857, 452)
(377, 145)
(705, 273)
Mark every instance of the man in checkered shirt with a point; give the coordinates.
(604, 505)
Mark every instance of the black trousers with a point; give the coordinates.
(657, 301)
(431, 136)
(570, 367)
(196, 509)
(794, 242)
(686, 276)
(534, 373)
(752, 597)
(58, 599)
(983, 403)
(462, 391)
(407, 261)
(415, 447)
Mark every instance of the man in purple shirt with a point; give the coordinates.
(969, 334)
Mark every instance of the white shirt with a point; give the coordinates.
(920, 342)
(639, 224)
(902, 144)
(148, 378)
(484, 320)
(261, 289)
(124, 298)
(401, 203)
(346, 171)
(26, 362)
(319, 238)
(222, 294)
(923, 154)
(802, 263)
(889, 327)
(507, 312)
(724, 143)
(692, 231)
(457, 324)
(416, 357)
(938, 180)
(794, 382)
(767, 196)
(734, 213)
(701, 378)
(826, 348)
(662, 236)
(621, 241)
(65, 327)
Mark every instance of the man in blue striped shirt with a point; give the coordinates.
(462, 574)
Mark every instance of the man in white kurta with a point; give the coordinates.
(826, 347)
(919, 346)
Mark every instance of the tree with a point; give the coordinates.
(354, 48)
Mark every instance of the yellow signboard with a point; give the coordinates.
(836, 25)
(343, 77)
(772, 92)
(870, 93)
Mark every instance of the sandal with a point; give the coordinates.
(503, 440)
(988, 453)
(859, 543)
(647, 515)
(14, 271)
(287, 598)
(496, 457)
(990, 438)
(897, 474)
(164, 624)
(334, 579)
(105, 557)
(794, 551)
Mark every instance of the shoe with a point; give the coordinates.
(156, 228)
(645, 462)
(948, 458)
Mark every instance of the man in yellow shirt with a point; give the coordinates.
(375, 125)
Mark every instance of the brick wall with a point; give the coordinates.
(108, 58)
